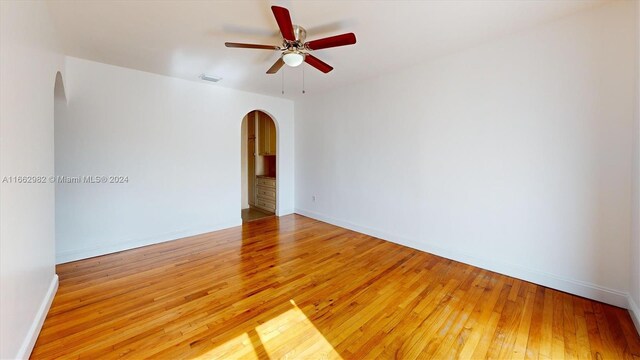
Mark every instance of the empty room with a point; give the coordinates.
(320, 179)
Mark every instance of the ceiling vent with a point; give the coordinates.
(211, 78)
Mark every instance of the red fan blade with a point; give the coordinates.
(250, 46)
(317, 63)
(333, 41)
(276, 66)
(284, 22)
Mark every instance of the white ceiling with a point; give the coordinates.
(186, 38)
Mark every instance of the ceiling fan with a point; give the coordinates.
(294, 48)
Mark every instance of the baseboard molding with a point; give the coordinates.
(34, 330)
(577, 287)
(285, 212)
(634, 311)
(79, 254)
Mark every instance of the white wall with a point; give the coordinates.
(512, 155)
(178, 142)
(29, 61)
(634, 299)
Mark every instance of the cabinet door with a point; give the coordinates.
(263, 138)
(266, 135)
(251, 156)
(272, 137)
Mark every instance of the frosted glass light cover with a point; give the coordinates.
(293, 59)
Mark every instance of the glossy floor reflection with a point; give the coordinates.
(296, 288)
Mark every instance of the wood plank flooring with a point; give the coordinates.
(296, 288)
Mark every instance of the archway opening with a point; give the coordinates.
(59, 114)
(259, 166)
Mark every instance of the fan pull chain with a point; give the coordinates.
(303, 78)
(282, 81)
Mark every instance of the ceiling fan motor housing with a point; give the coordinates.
(301, 35)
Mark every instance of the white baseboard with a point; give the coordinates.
(577, 287)
(34, 330)
(634, 311)
(85, 253)
(285, 212)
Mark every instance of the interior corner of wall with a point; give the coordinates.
(34, 330)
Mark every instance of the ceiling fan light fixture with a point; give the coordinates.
(294, 48)
(293, 58)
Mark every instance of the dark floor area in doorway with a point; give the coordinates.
(252, 214)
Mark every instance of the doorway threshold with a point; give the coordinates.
(253, 214)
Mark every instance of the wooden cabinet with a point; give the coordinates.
(266, 193)
(251, 157)
(266, 135)
(265, 172)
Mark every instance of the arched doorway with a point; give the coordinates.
(59, 115)
(259, 166)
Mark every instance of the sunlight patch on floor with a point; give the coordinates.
(239, 347)
(290, 335)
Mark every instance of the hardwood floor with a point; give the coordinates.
(293, 287)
